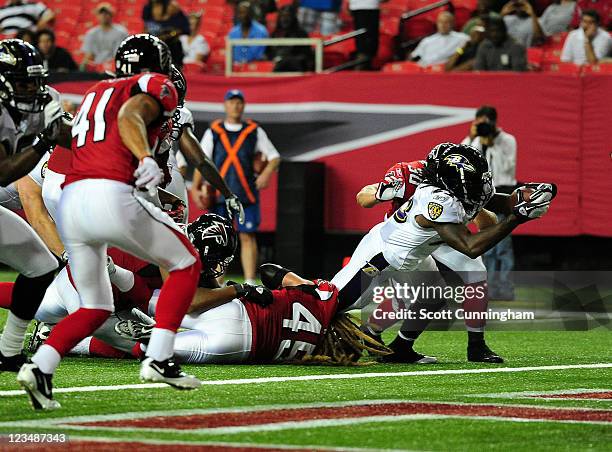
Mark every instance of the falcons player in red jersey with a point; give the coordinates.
(398, 186)
(115, 138)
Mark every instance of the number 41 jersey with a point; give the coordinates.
(98, 150)
(294, 324)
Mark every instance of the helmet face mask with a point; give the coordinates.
(22, 77)
(216, 241)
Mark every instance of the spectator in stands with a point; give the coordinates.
(166, 20)
(321, 15)
(366, 14)
(439, 47)
(260, 9)
(557, 17)
(499, 148)
(101, 42)
(522, 22)
(251, 29)
(55, 59)
(603, 8)
(484, 10)
(464, 57)
(589, 43)
(16, 14)
(27, 35)
(240, 171)
(499, 52)
(290, 58)
(195, 46)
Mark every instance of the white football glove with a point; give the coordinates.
(538, 203)
(234, 208)
(390, 188)
(52, 119)
(149, 175)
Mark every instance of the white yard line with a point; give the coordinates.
(541, 395)
(340, 376)
(114, 439)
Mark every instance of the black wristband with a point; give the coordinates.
(241, 290)
(42, 146)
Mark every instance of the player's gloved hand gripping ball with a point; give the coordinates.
(257, 294)
(148, 175)
(532, 200)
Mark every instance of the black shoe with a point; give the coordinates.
(12, 363)
(481, 353)
(39, 387)
(377, 337)
(168, 372)
(407, 357)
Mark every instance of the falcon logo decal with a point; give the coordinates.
(460, 162)
(435, 210)
(217, 232)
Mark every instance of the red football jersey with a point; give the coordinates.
(410, 173)
(294, 324)
(60, 160)
(99, 152)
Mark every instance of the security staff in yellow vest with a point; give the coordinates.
(234, 145)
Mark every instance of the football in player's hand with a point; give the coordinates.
(531, 201)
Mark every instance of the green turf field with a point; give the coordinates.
(399, 407)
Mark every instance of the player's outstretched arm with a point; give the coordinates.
(16, 166)
(30, 194)
(133, 118)
(459, 237)
(367, 196)
(191, 149)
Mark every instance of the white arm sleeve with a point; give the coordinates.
(207, 143)
(265, 146)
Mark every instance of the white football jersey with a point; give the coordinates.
(406, 243)
(16, 137)
(9, 196)
(185, 120)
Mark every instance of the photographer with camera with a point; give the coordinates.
(499, 148)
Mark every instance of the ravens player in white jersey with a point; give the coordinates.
(456, 186)
(30, 124)
(184, 141)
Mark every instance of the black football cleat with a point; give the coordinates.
(408, 356)
(39, 387)
(377, 337)
(168, 372)
(481, 353)
(12, 363)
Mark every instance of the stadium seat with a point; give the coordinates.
(255, 66)
(193, 68)
(551, 55)
(332, 58)
(562, 68)
(389, 25)
(417, 27)
(534, 57)
(556, 41)
(434, 69)
(404, 67)
(605, 68)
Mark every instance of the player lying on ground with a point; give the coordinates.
(232, 324)
(398, 186)
(456, 186)
(30, 124)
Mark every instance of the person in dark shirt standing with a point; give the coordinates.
(55, 59)
(290, 58)
(499, 52)
(166, 20)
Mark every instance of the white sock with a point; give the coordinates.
(250, 281)
(123, 279)
(11, 342)
(82, 348)
(161, 344)
(47, 359)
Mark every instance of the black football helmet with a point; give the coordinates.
(142, 53)
(463, 171)
(216, 241)
(22, 77)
